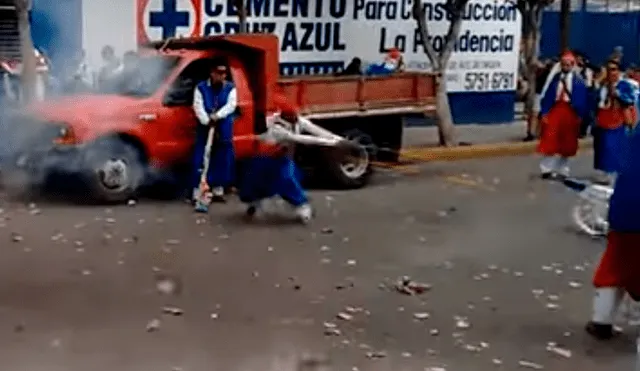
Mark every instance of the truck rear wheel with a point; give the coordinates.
(114, 170)
(355, 170)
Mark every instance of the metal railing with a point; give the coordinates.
(600, 6)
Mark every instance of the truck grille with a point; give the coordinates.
(23, 133)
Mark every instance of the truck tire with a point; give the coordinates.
(19, 178)
(114, 170)
(349, 174)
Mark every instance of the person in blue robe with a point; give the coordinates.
(215, 102)
(616, 97)
(274, 172)
(617, 273)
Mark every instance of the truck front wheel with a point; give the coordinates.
(353, 171)
(114, 170)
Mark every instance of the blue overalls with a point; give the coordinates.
(221, 164)
(266, 177)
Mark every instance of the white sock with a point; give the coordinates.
(547, 164)
(562, 166)
(218, 191)
(605, 304)
(304, 212)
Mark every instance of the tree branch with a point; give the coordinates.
(419, 16)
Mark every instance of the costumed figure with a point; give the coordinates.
(616, 98)
(563, 106)
(275, 174)
(393, 62)
(617, 271)
(215, 102)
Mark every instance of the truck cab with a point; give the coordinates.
(145, 121)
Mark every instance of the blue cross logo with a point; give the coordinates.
(169, 19)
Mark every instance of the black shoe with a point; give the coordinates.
(251, 211)
(218, 199)
(529, 138)
(600, 331)
(546, 176)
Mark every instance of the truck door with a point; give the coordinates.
(176, 117)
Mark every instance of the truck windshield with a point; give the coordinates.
(139, 76)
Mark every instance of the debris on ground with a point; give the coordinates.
(344, 316)
(174, 311)
(153, 325)
(531, 365)
(555, 349)
(406, 286)
(420, 316)
(376, 355)
(168, 285)
(15, 237)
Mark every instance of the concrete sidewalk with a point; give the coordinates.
(427, 136)
(479, 141)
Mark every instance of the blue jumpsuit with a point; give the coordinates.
(221, 164)
(273, 176)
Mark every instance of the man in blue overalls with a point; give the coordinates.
(214, 103)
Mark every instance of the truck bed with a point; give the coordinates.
(344, 96)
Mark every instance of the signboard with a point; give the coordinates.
(321, 36)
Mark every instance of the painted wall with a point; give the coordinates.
(56, 27)
(478, 92)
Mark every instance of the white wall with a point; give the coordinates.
(108, 22)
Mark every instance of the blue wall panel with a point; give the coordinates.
(595, 34)
(56, 28)
(482, 108)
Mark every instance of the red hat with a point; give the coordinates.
(394, 53)
(284, 105)
(568, 56)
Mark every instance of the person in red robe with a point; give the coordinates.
(563, 106)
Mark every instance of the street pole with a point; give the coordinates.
(565, 15)
(28, 71)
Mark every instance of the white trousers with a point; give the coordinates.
(555, 164)
(606, 302)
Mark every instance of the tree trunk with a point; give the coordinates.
(531, 49)
(28, 72)
(439, 62)
(446, 127)
(242, 15)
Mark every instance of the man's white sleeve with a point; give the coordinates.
(311, 128)
(230, 107)
(282, 135)
(198, 108)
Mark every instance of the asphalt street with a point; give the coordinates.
(153, 286)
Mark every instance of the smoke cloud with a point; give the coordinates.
(111, 93)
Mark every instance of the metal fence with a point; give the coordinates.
(596, 27)
(600, 6)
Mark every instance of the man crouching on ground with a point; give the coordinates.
(617, 272)
(275, 174)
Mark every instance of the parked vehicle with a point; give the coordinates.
(150, 124)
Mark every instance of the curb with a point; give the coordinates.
(423, 154)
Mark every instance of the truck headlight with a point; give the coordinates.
(65, 136)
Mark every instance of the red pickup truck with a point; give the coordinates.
(113, 139)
